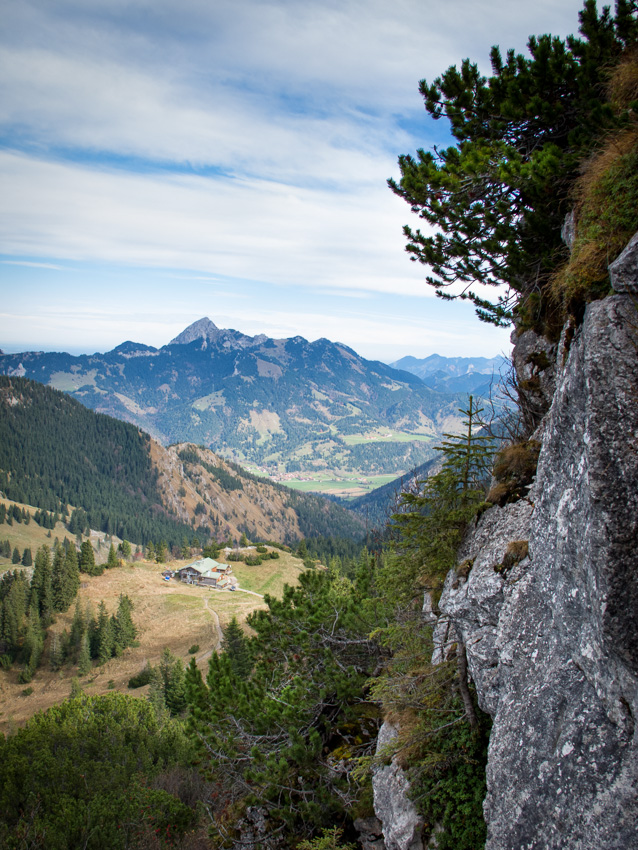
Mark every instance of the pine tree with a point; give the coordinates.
(41, 584)
(84, 658)
(78, 628)
(56, 653)
(235, 645)
(112, 560)
(104, 634)
(125, 549)
(124, 631)
(434, 520)
(87, 560)
(33, 642)
(172, 675)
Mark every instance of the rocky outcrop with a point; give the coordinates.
(552, 641)
(402, 824)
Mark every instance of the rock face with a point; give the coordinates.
(552, 644)
(401, 823)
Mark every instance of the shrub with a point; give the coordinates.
(252, 560)
(142, 678)
(194, 648)
(514, 469)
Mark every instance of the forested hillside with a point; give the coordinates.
(54, 452)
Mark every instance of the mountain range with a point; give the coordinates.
(474, 375)
(280, 404)
(54, 452)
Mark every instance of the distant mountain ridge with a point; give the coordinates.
(282, 404)
(456, 374)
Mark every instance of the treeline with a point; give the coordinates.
(55, 452)
(28, 608)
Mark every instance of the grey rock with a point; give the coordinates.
(475, 605)
(534, 360)
(402, 824)
(553, 645)
(370, 833)
(623, 272)
(568, 230)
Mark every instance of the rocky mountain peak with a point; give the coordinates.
(201, 329)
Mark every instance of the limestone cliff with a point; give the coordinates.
(552, 643)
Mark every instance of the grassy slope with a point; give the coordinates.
(167, 614)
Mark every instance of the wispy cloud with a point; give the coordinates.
(240, 140)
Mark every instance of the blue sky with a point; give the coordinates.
(164, 161)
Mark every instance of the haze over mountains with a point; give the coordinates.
(285, 405)
(455, 374)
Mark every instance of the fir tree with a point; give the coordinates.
(112, 560)
(84, 658)
(235, 645)
(56, 653)
(27, 559)
(104, 634)
(41, 584)
(87, 560)
(124, 631)
(15, 558)
(171, 671)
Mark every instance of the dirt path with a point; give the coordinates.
(218, 629)
(252, 592)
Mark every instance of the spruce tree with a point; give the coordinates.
(104, 634)
(87, 560)
(27, 559)
(56, 653)
(41, 584)
(172, 675)
(84, 658)
(15, 558)
(124, 630)
(433, 521)
(235, 645)
(112, 560)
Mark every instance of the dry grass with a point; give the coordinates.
(167, 614)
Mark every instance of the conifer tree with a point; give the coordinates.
(78, 628)
(433, 521)
(87, 560)
(15, 558)
(124, 631)
(56, 653)
(235, 645)
(171, 671)
(27, 559)
(33, 641)
(111, 560)
(84, 658)
(104, 634)
(41, 584)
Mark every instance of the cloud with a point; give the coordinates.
(256, 230)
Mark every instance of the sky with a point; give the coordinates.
(161, 161)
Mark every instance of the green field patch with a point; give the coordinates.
(178, 601)
(385, 437)
(70, 381)
(215, 399)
